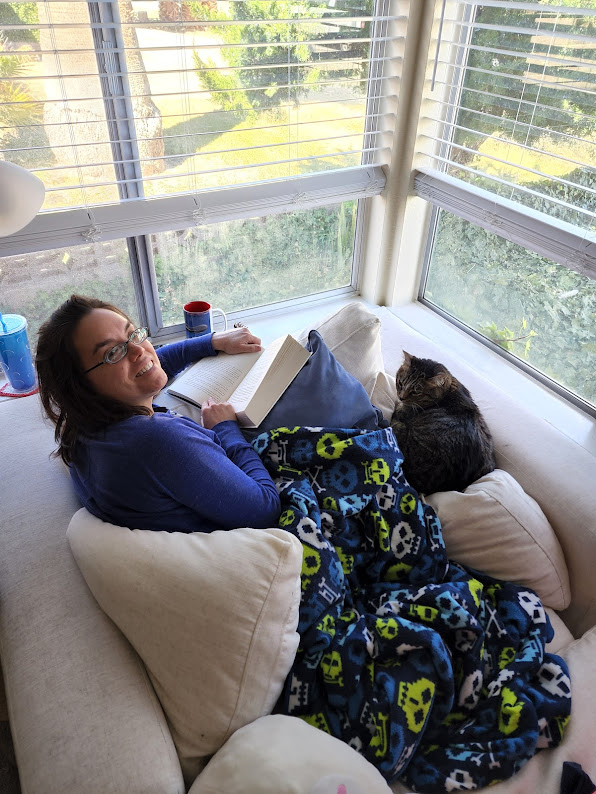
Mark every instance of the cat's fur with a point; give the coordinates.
(442, 435)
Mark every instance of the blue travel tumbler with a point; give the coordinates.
(15, 354)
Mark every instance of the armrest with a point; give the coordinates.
(83, 714)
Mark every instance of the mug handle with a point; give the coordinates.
(223, 314)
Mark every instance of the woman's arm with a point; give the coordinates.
(218, 475)
(178, 355)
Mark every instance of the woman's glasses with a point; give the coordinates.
(117, 353)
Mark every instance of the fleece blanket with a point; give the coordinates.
(437, 674)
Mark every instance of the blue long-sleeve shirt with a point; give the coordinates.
(166, 472)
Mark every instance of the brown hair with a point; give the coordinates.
(68, 397)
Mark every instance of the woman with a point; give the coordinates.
(132, 463)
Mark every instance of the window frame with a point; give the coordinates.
(517, 362)
(70, 227)
(433, 191)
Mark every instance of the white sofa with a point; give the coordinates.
(89, 713)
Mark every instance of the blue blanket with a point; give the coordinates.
(435, 673)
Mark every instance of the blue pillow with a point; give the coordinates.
(323, 394)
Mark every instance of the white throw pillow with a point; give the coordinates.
(353, 335)
(284, 755)
(212, 616)
(497, 528)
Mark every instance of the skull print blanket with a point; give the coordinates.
(437, 674)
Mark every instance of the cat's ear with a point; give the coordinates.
(439, 381)
(407, 357)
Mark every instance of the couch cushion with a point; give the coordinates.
(562, 636)
(495, 527)
(213, 616)
(284, 755)
(84, 716)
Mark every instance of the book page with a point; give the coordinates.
(286, 360)
(213, 377)
(246, 389)
(280, 374)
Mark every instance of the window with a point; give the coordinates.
(205, 144)
(264, 260)
(34, 284)
(507, 142)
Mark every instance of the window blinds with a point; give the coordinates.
(130, 102)
(508, 133)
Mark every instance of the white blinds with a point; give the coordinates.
(510, 109)
(119, 102)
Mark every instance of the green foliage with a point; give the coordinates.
(346, 226)
(239, 264)
(224, 87)
(258, 87)
(499, 96)
(265, 74)
(280, 65)
(494, 285)
(16, 105)
(19, 14)
(207, 11)
(117, 291)
(507, 339)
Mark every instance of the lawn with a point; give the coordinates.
(554, 155)
(205, 147)
(213, 145)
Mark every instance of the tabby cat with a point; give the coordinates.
(444, 439)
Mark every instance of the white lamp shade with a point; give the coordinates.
(21, 196)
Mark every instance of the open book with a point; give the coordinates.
(251, 382)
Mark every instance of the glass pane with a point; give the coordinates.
(538, 310)
(525, 122)
(33, 285)
(52, 114)
(233, 93)
(244, 263)
(182, 95)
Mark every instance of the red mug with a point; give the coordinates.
(198, 318)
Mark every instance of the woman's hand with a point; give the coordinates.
(237, 340)
(213, 413)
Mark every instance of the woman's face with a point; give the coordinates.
(136, 378)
